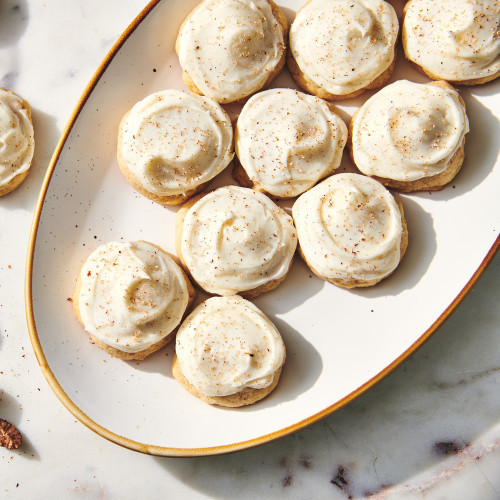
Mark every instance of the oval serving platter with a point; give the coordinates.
(339, 342)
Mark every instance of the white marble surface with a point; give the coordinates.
(430, 430)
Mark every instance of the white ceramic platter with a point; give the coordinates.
(339, 342)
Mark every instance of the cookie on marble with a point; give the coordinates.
(17, 140)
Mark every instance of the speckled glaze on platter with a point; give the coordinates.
(339, 342)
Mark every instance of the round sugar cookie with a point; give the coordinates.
(130, 297)
(235, 240)
(17, 140)
(339, 48)
(172, 143)
(456, 41)
(286, 141)
(352, 231)
(410, 136)
(229, 49)
(228, 353)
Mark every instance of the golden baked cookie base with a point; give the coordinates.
(247, 396)
(13, 183)
(431, 183)
(19, 178)
(425, 71)
(140, 355)
(304, 82)
(179, 223)
(354, 283)
(280, 18)
(241, 177)
(173, 199)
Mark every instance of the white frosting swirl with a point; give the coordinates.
(408, 131)
(229, 48)
(173, 141)
(349, 227)
(236, 239)
(226, 345)
(287, 140)
(454, 40)
(343, 45)
(132, 295)
(17, 142)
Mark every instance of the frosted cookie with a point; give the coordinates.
(172, 143)
(228, 352)
(411, 136)
(352, 231)
(17, 140)
(130, 297)
(229, 49)
(339, 48)
(286, 141)
(235, 240)
(455, 40)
